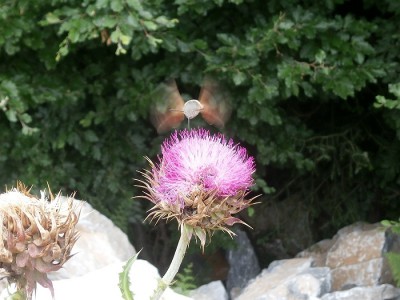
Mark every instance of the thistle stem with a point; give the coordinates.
(163, 283)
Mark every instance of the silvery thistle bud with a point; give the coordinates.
(36, 237)
(201, 180)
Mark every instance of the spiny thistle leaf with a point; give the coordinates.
(124, 281)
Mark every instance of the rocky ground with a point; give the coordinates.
(351, 265)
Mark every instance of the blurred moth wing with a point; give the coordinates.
(168, 109)
(216, 105)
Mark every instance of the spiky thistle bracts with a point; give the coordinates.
(201, 180)
(36, 237)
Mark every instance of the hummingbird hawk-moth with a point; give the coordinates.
(170, 109)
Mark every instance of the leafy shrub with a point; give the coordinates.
(312, 87)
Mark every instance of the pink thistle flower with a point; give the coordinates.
(201, 180)
(196, 159)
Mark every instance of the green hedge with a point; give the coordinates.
(314, 84)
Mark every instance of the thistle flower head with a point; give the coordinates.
(201, 180)
(36, 237)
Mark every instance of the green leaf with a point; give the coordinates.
(51, 18)
(105, 21)
(135, 4)
(320, 56)
(91, 136)
(382, 101)
(154, 42)
(11, 115)
(25, 118)
(387, 223)
(88, 119)
(120, 49)
(124, 280)
(115, 35)
(394, 262)
(125, 39)
(102, 3)
(117, 5)
(26, 130)
(250, 211)
(395, 89)
(239, 78)
(150, 25)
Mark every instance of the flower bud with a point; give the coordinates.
(36, 237)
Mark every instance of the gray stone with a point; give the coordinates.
(214, 290)
(303, 286)
(318, 252)
(274, 281)
(243, 263)
(323, 275)
(381, 292)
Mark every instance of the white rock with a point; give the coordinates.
(100, 243)
(274, 278)
(102, 284)
(381, 292)
(212, 291)
(305, 284)
(292, 279)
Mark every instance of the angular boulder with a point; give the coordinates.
(356, 255)
(293, 279)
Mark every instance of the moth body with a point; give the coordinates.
(192, 108)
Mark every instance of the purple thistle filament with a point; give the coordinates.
(195, 159)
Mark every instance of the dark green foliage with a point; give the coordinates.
(315, 88)
(394, 261)
(393, 257)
